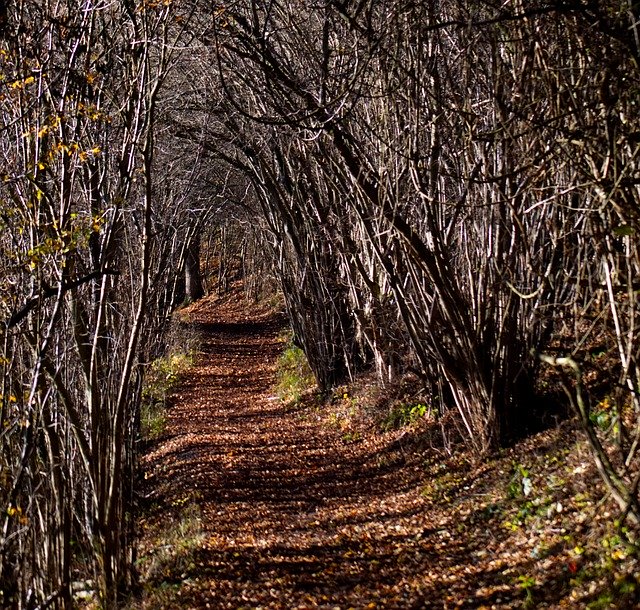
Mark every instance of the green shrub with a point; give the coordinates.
(404, 415)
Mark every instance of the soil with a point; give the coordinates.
(255, 503)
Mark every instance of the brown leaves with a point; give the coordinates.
(291, 516)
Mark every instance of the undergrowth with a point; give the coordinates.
(402, 415)
(539, 505)
(293, 374)
(162, 377)
(165, 563)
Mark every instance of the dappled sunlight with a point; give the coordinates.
(292, 515)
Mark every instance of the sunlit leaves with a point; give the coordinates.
(296, 518)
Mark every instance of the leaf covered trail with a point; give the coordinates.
(256, 505)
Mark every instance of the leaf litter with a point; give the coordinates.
(253, 503)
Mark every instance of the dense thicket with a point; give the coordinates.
(451, 187)
(91, 240)
(446, 187)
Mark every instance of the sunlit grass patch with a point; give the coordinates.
(162, 376)
(293, 374)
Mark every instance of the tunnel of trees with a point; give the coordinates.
(449, 187)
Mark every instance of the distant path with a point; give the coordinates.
(293, 515)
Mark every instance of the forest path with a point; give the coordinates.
(255, 505)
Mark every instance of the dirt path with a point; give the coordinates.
(253, 505)
(292, 516)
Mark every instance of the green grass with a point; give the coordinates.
(161, 379)
(294, 376)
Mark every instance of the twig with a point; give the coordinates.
(623, 494)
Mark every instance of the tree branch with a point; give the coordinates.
(49, 291)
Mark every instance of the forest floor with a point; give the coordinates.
(252, 502)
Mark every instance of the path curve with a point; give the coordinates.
(291, 515)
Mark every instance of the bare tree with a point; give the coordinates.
(77, 210)
(447, 157)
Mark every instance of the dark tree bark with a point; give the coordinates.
(194, 287)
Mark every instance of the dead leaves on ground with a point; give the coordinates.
(254, 505)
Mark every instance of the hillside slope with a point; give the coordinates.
(252, 503)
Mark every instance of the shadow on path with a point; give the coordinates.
(292, 515)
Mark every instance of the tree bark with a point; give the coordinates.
(194, 288)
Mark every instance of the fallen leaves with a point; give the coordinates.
(291, 516)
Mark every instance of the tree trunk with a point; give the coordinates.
(194, 288)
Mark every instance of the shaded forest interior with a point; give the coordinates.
(444, 194)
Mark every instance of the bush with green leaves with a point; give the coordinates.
(404, 415)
